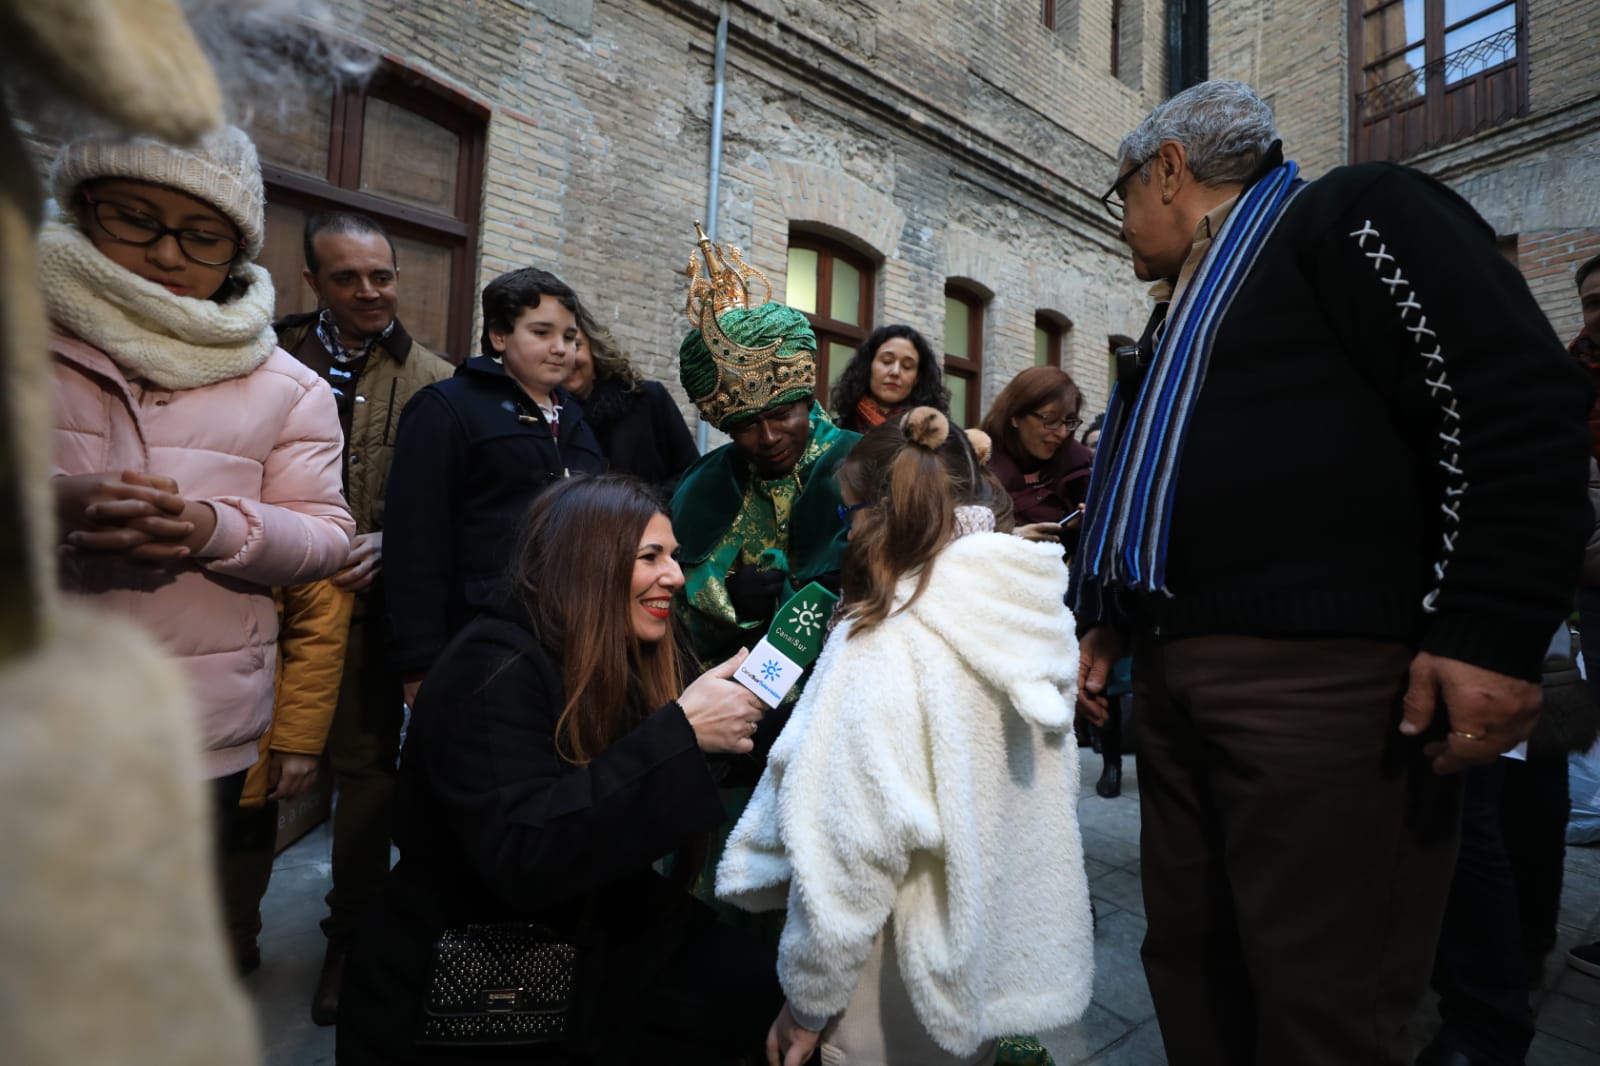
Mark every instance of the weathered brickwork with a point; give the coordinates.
(958, 140)
(1533, 178)
(1297, 54)
(1547, 259)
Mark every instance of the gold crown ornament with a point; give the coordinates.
(740, 360)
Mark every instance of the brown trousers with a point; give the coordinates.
(1296, 850)
(363, 746)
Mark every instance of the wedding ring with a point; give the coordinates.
(1464, 735)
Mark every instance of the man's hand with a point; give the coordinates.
(1099, 650)
(289, 775)
(1039, 531)
(361, 569)
(1489, 713)
(787, 1043)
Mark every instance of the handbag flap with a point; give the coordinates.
(507, 968)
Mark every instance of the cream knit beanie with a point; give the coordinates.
(221, 169)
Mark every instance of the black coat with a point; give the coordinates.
(642, 433)
(1390, 441)
(471, 454)
(492, 825)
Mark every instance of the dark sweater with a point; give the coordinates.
(471, 454)
(1321, 455)
(641, 433)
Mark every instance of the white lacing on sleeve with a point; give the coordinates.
(1434, 376)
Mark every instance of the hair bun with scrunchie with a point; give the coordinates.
(982, 446)
(926, 427)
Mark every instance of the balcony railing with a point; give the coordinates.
(1454, 96)
(1408, 88)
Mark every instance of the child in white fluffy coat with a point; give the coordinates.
(918, 814)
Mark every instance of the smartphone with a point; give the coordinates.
(1070, 519)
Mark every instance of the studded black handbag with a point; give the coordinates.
(509, 983)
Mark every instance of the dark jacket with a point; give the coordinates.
(1048, 500)
(1389, 443)
(492, 825)
(641, 432)
(395, 371)
(471, 454)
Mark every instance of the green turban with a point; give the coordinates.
(763, 357)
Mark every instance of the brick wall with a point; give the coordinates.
(1533, 178)
(959, 139)
(1296, 55)
(1547, 259)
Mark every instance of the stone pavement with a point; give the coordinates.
(1118, 1030)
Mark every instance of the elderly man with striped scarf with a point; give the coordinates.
(1336, 512)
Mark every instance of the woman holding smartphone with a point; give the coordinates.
(1045, 471)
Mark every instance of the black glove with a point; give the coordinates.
(754, 593)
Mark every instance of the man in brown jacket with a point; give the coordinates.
(358, 344)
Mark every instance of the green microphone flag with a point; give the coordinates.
(793, 643)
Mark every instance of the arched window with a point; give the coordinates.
(963, 352)
(405, 150)
(1049, 333)
(833, 286)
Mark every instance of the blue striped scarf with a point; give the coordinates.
(1129, 515)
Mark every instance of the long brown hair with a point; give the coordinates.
(1030, 390)
(912, 472)
(611, 363)
(574, 572)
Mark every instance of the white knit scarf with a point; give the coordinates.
(171, 341)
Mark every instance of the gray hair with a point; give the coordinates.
(1223, 126)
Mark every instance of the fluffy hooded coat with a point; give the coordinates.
(929, 774)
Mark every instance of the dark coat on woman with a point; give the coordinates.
(493, 825)
(471, 454)
(642, 432)
(1050, 499)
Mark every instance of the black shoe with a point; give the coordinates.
(325, 1001)
(1110, 783)
(1437, 1054)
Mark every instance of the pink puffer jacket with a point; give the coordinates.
(264, 450)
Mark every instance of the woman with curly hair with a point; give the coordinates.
(640, 429)
(893, 371)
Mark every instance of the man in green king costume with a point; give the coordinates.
(758, 518)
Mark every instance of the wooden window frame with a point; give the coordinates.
(1055, 330)
(827, 328)
(970, 368)
(1387, 135)
(1047, 13)
(340, 188)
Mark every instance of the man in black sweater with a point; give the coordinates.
(1338, 509)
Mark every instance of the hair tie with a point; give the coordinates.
(982, 446)
(925, 427)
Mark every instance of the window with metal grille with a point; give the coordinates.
(1428, 72)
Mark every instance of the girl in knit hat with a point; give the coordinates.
(197, 466)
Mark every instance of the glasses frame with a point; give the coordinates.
(176, 232)
(1070, 423)
(847, 513)
(1114, 207)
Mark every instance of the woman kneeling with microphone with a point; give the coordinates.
(553, 756)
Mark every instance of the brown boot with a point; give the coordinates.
(325, 1002)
